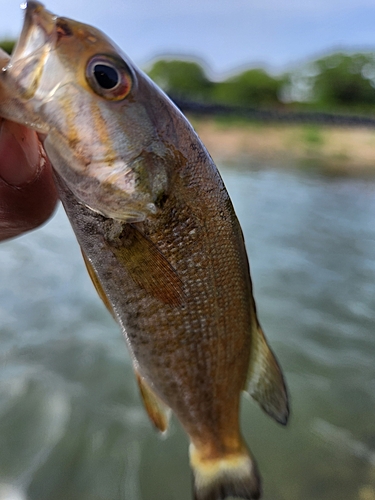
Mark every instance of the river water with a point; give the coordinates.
(72, 426)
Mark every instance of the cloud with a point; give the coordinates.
(233, 7)
(226, 33)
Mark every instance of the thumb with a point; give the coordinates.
(27, 191)
(19, 154)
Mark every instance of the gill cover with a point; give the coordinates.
(73, 85)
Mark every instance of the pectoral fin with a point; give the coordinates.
(147, 266)
(96, 282)
(156, 409)
(265, 381)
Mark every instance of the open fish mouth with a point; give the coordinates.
(38, 26)
(28, 61)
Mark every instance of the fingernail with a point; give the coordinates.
(19, 153)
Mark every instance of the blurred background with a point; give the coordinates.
(283, 95)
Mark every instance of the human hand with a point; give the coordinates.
(27, 192)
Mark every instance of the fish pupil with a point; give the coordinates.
(106, 76)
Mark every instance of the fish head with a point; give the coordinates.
(94, 108)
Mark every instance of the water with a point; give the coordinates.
(72, 426)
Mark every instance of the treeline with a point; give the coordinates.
(7, 45)
(337, 82)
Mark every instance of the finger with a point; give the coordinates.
(27, 191)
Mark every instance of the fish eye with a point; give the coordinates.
(106, 76)
(109, 77)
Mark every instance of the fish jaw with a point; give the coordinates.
(29, 77)
(92, 142)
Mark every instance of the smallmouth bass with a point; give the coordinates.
(159, 236)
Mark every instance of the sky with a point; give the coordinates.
(227, 35)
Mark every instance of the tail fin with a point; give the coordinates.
(228, 476)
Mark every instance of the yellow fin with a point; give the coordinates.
(234, 475)
(265, 380)
(156, 409)
(147, 265)
(96, 282)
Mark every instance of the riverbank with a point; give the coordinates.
(333, 149)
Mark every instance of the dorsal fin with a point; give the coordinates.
(147, 266)
(156, 409)
(265, 381)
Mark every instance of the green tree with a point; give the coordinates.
(254, 87)
(345, 80)
(185, 79)
(7, 45)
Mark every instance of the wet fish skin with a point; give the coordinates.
(167, 256)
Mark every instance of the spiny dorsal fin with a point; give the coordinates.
(156, 409)
(147, 266)
(265, 381)
(96, 282)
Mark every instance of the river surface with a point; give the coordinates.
(72, 426)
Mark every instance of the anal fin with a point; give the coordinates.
(156, 409)
(265, 381)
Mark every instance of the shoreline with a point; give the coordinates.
(331, 149)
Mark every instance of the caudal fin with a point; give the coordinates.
(234, 475)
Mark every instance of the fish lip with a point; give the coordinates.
(36, 18)
(37, 39)
(36, 13)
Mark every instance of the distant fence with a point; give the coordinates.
(275, 115)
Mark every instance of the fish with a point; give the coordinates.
(159, 237)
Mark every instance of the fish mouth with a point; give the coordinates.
(38, 25)
(36, 41)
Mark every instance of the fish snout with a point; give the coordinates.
(26, 66)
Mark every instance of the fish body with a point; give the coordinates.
(160, 239)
